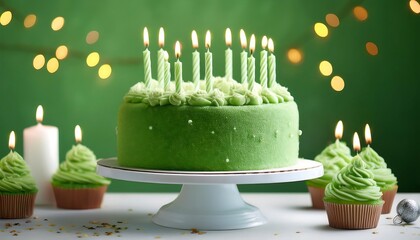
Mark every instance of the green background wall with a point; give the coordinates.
(380, 90)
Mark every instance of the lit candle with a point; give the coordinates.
(263, 63)
(146, 59)
(244, 55)
(178, 68)
(368, 136)
(196, 60)
(209, 64)
(161, 60)
(78, 134)
(356, 143)
(228, 55)
(271, 64)
(167, 71)
(338, 132)
(12, 140)
(251, 64)
(40, 148)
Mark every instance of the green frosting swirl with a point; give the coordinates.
(199, 98)
(333, 158)
(354, 184)
(15, 176)
(78, 170)
(383, 176)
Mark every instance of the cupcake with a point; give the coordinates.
(17, 187)
(333, 158)
(76, 184)
(353, 200)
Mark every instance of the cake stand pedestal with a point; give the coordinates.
(210, 200)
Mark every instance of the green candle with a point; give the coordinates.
(161, 61)
(271, 64)
(263, 63)
(209, 64)
(167, 72)
(228, 55)
(178, 68)
(196, 61)
(146, 59)
(244, 55)
(251, 64)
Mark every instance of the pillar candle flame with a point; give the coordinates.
(356, 142)
(264, 42)
(339, 130)
(194, 39)
(252, 44)
(368, 136)
(243, 39)
(177, 49)
(208, 39)
(270, 45)
(12, 140)
(228, 37)
(161, 37)
(78, 134)
(146, 37)
(39, 114)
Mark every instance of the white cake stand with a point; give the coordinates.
(210, 200)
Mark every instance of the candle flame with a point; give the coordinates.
(177, 49)
(339, 130)
(270, 45)
(194, 39)
(39, 114)
(356, 142)
(165, 56)
(146, 37)
(264, 42)
(243, 38)
(161, 37)
(12, 140)
(228, 37)
(208, 39)
(368, 136)
(78, 134)
(252, 44)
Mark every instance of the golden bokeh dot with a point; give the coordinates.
(360, 13)
(52, 65)
(325, 68)
(294, 55)
(415, 6)
(92, 37)
(320, 29)
(92, 59)
(105, 71)
(39, 61)
(332, 20)
(61, 52)
(337, 83)
(57, 23)
(29, 21)
(6, 18)
(372, 49)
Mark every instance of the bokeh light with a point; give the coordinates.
(337, 83)
(57, 23)
(372, 49)
(52, 65)
(92, 37)
(39, 61)
(321, 30)
(325, 68)
(61, 52)
(294, 55)
(92, 59)
(415, 6)
(29, 21)
(6, 18)
(105, 71)
(332, 20)
(360, 13)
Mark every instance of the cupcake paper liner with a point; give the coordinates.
(388, 196)
(14, 206)
(353, 216)
(317, 197)
(81, 198)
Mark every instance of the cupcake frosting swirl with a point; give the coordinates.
(79, 168)
(354, 184)
(15, 176)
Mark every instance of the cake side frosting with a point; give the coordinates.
(15, 176)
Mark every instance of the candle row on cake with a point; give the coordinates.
(267, 63)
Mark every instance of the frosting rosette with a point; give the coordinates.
(15, 176)
(354, 184)
(79, 169)
(383, 175)
(333, 158)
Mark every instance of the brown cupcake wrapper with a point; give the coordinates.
(353, 216)
(388, 196)
(14, 206)
(317, 197)
(82, 198)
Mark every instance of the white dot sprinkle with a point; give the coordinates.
(190, 122)
(234, 128)
(227, 160)
(212, 132)
(150, 128)
(300, 132)
(254, 136)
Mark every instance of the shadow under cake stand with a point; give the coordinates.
(210, 200)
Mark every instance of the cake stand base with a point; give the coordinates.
(209, 207)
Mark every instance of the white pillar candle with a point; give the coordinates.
(196, 61)
(208, 64)
(146, 60)
(244, 56)
(263, 63)
(178, 68)
(271, 64)
(228, 55)
(40, 149)
(251, 64)
(161, 60)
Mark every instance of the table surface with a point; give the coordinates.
(128, 216)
